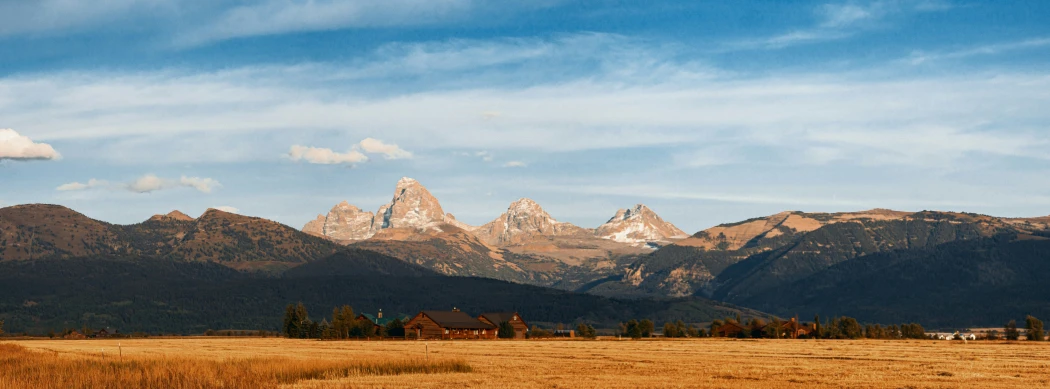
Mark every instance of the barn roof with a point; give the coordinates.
(499, 317)
(456, 319)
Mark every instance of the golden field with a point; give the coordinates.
(714, 363)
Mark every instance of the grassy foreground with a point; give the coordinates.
(23, 368)
(669, 363)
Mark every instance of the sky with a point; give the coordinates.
(706, 111)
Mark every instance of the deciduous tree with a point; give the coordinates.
(1011, 331)
(1035, 328)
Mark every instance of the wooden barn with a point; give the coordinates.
(730, 330)
(495, 318)
(452, 324)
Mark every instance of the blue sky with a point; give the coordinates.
(707, 111)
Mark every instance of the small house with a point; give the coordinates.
(791, 329)
(520, 327)
(453, 324)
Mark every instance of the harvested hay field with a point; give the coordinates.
(708, 363)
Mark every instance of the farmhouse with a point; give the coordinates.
(452, 324)
(520, 327)
(792, 329)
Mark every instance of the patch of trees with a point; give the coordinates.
(679, 329)
(636, 329)
(585, 330)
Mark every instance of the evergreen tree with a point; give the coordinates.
(506, 330)
(681, 329)
(291, 322)
(631, 329)
(1035, 328)
(395, 328)
(1011, 331)
(2, 327)
(818, 333)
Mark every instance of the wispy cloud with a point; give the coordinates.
(515, 164)
(281, 16)
(325, 156)
(388, 150)
(841, 20)
(18, 147)
(920, 57)
(632, 97)
(145, 184)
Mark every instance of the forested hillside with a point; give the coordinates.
(982, 282)
(160, 295)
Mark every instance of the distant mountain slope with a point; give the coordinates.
(40, 231)
(840, 242)
(156, 295)
(733, 260)
(358, 263)
(978, 282)
(49, 231)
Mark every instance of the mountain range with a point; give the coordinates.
(926, 265)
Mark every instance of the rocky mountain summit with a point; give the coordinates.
(412, 207)
(639, 226)
(523, 221)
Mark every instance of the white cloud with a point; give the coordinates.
(515, 164)
(205, 185)
(20, 148)
(389, 151)
(74, 186)
(228, 209)
(323, 156)
(151, 183)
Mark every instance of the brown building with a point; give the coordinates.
(452, 324)
(730, 330)
(520, 327)
(792, 329)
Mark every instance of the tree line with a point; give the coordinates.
(344, 325)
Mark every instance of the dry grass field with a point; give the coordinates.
(708, 363)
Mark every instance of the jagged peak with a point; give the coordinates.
(347, 206)
(527, 206)
(406, 181)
